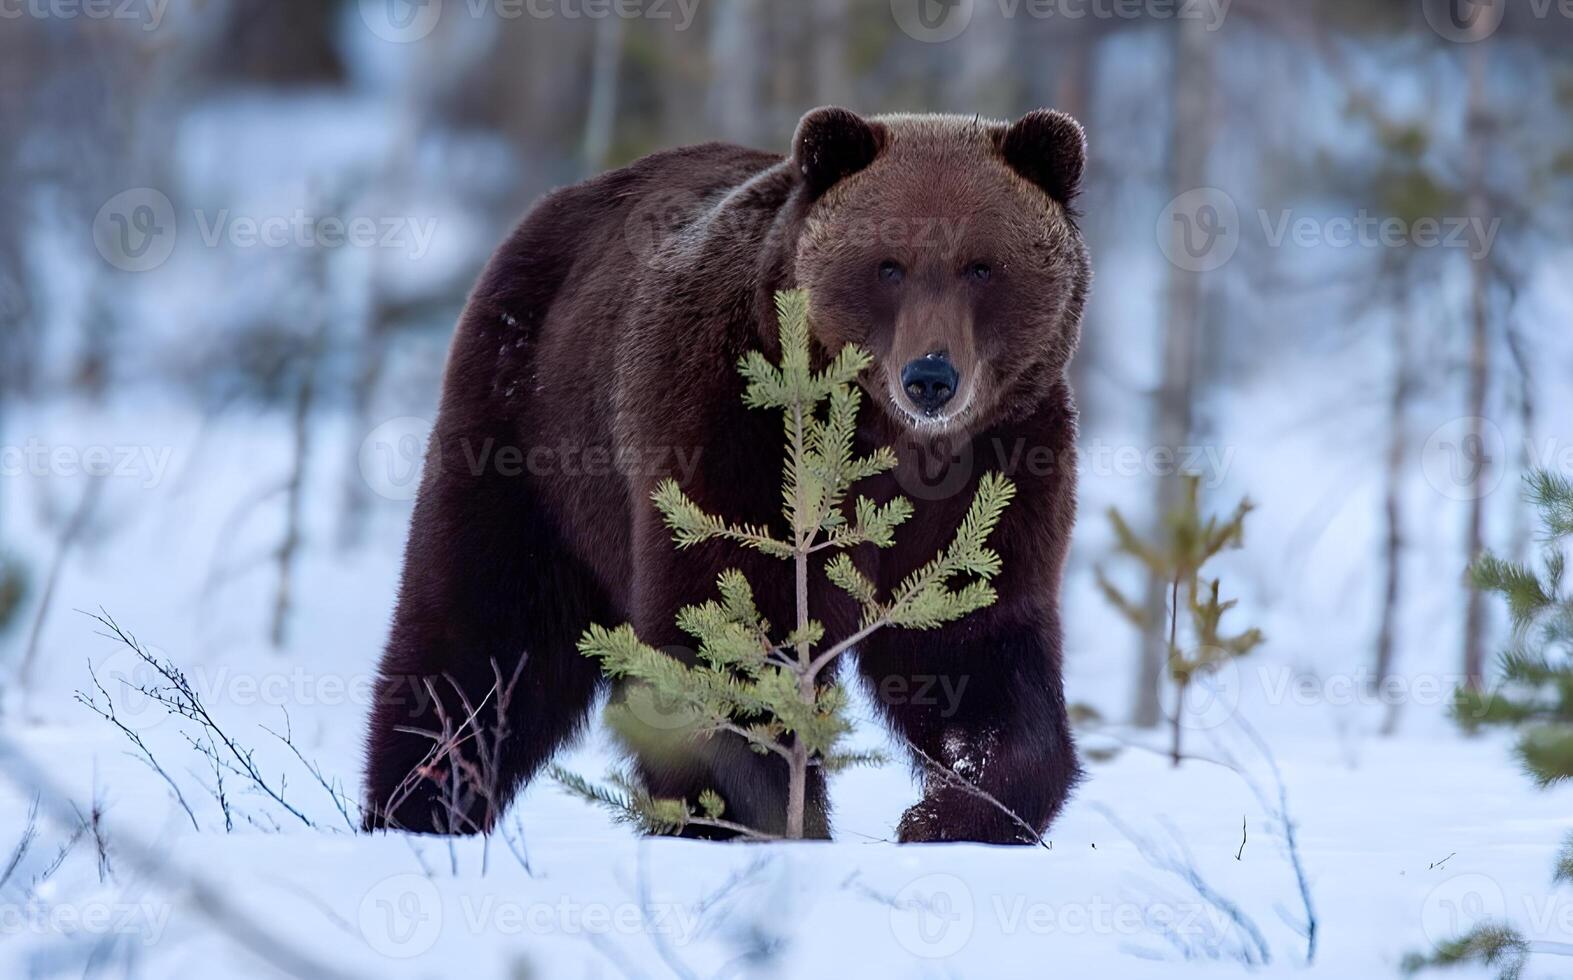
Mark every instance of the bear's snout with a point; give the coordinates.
(930, 381)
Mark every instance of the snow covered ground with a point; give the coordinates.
(1404, 840)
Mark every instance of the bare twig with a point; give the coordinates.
(658, 938)
(205, 900)
(106, 711)
(1183, 866)
(29, 834)
(341, 801)
(94, 822)
(520, 850)
(180, 698)
(956, 780)
(1286, 827)
(217, 789)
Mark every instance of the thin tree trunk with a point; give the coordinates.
(1179, 688)
(737, 52)
(601, 119)
(1479, 362)
(363, 393)
(289, 547)
(1397, 454)
(295, 488)
(1523, 528)
(1190, 141)
(1072, 96)
(832, 81)
(69, 534)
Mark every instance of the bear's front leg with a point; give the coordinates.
(982, 709)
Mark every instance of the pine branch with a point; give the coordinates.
(690, 525)
(1563, 872)
(1552, 493)
(1546, 752)
(1489, 943)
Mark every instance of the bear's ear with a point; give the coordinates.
(832, 144)
(1048, 148)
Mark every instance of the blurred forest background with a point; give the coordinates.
(1376, 398)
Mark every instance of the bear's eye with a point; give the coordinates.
(891, 271)
(980, 272)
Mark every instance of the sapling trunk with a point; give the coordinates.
(1180, 680)
(1174, 723)
(802, 538)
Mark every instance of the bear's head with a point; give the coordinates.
(947, 247)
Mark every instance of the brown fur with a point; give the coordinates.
(591, 339)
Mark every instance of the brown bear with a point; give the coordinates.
(597, 356)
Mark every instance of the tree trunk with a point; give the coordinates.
(1190, 141)
(600, 120)
(1479, 361)
(1392, 508)
(1072, 95)
(737, 55)
(828, 53)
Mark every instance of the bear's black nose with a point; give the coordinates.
(930, 382)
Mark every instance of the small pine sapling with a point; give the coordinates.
(745, 681)
(1185, 543)
(1536, 694)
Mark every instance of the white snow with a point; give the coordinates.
(1405, 840)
